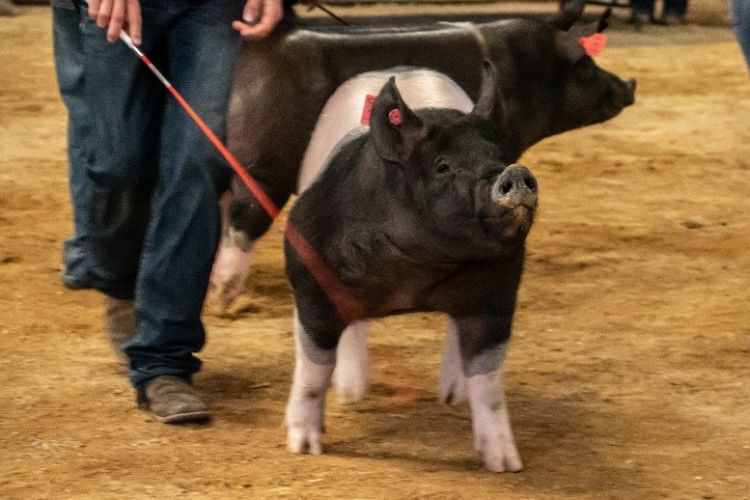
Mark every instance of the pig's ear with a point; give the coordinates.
(394, 128)
(568, 47)
(603, 22)
(597, 26)
(570, 12)
(489, 104)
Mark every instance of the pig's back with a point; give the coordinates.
(342, 117)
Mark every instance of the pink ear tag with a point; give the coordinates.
(394, 117)
(594, 44)
(367, 109)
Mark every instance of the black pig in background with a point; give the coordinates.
(547, 83)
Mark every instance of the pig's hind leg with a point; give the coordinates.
(452, 390)
(483, 353)
(305, 412)
(350, 377)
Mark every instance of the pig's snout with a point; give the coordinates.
(630, 84)
(516, 187)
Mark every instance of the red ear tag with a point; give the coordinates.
(394, 117)
(367, 109)
(594, 44)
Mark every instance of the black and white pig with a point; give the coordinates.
(547, 83)
(342, 116)
(421, 213)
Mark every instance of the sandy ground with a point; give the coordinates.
(628, 375)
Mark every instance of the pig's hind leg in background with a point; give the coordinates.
(350, 378)
(452, 389)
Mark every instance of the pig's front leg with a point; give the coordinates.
(352, 365)
(232, 262)
(231, 269)
(452, 390)
(483, 358)
(313, 367)
(493, 437)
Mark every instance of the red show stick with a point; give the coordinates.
(348, 308)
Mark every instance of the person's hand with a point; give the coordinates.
(259, 18)
(115, 15)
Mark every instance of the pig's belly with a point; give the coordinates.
(341, 118)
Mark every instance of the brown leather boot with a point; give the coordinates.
(172, 400)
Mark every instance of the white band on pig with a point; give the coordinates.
(486, 361)
(238, 239)
(340, 120)
(313, 352)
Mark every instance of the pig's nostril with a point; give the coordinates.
(530, 183)
(506, 187)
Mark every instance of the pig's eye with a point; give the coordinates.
(443, 167)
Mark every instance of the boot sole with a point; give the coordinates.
(183, 418)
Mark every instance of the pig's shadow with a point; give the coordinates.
(417, 430)
(548, 430)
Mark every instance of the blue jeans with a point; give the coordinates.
(740, 14)
(675, 9)
(644, 9)
(68, 50)
(152, 216)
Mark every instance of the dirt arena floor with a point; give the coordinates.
(628, 376)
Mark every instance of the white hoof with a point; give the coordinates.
(499, 454)
(452, 392)
(304, 440)
(304, 420)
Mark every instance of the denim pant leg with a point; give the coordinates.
(125, 105)
(740, 15)
(184, 230)
(68, 54)
(675, 9)
(643, 10)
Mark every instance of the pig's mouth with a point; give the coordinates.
(512, 221)
(519, 225)
(613, 105)
(519, 220)
(624, 97)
